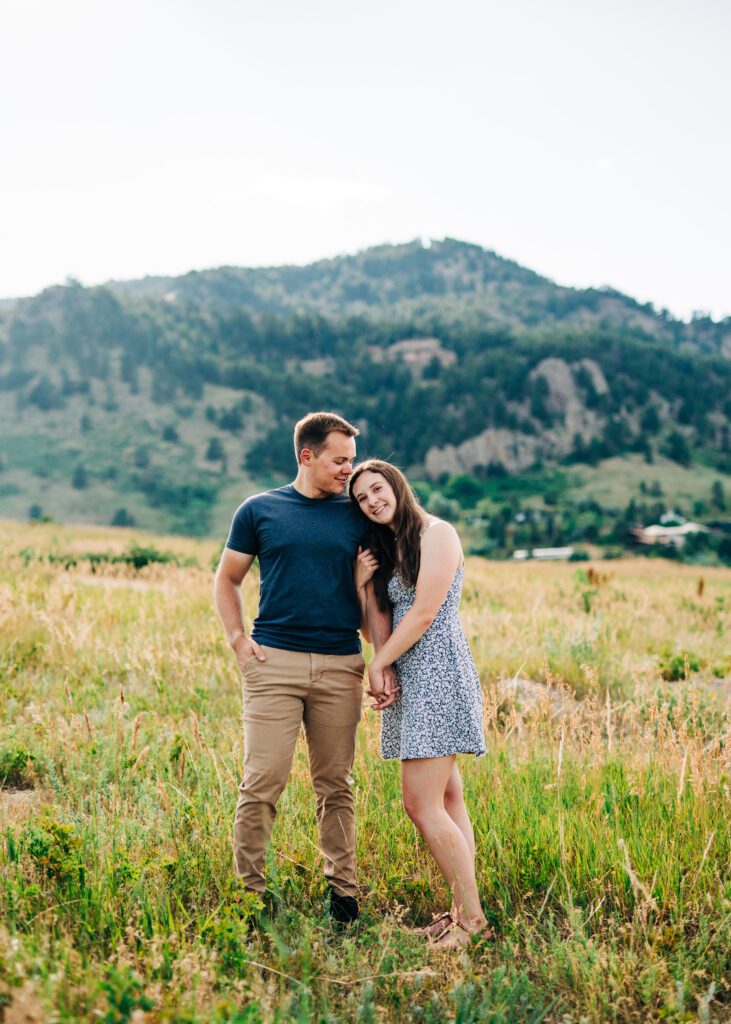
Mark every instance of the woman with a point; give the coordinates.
(416, 566)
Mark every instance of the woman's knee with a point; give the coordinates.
(420, 807)
(413, 805)
(453, 794)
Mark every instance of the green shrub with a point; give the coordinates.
(227, 932)
(137, 556)
(679, 666)
(125, 996)
(15, 767)
(54, 847)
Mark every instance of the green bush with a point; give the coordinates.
(122, 518)
(678, 666)
(16, 765)
(464, 489)
(227, 931)
(137, 556)
(54, 847)
(125, 996)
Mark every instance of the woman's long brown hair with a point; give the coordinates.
(397, 549)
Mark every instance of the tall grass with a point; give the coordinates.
(602, 823)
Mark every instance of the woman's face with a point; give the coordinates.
(375, 497)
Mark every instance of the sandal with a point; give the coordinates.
(456, 936)
(438, 927)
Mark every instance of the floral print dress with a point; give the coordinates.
(439, 709)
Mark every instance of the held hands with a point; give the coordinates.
(365, 566)
(383, 685)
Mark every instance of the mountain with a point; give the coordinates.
(452, 280)
(166, 400)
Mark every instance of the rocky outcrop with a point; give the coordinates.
(518, 451)
(597, 375)
(560, 380)
(513, 450)
(416, 353)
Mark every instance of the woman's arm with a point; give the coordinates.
(365, 565)
(363, 602)
(375, 625)
(441, 556)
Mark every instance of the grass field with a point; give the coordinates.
(614, 482)
(602, 810)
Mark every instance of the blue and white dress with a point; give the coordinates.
(439, 709)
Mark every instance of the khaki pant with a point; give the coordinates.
(324, 692)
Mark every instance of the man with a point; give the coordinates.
(303, 662)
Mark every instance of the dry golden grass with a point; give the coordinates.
(602, 810)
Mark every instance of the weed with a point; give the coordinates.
(583, 585)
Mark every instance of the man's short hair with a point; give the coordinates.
(312, 430)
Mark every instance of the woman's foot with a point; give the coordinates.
(457, 936)
(437, 927)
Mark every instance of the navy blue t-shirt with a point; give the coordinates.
(306, 549)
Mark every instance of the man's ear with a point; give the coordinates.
(306, 456)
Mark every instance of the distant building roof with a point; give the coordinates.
(672, 518)
(674, 531)
(675, 535)
(544, 554)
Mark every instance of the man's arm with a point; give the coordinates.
(230, 574)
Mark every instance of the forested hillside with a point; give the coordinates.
(166, 401)
(449, 280)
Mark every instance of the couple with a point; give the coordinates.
(329, 566)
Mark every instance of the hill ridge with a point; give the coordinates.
(167, 406)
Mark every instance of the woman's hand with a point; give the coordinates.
(365, 565)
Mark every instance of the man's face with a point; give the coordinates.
(329, 471)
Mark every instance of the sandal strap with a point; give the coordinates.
(456, 928)
(432, 929)
(485, 931)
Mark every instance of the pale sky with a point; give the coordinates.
(586, 139)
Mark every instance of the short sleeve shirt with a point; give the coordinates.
(306, 549)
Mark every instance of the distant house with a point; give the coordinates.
(672, 518)
(670, 536)
(544, 554)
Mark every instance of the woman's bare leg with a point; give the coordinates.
(455, 807)
(425, 782)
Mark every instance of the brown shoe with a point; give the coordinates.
(437, 927)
